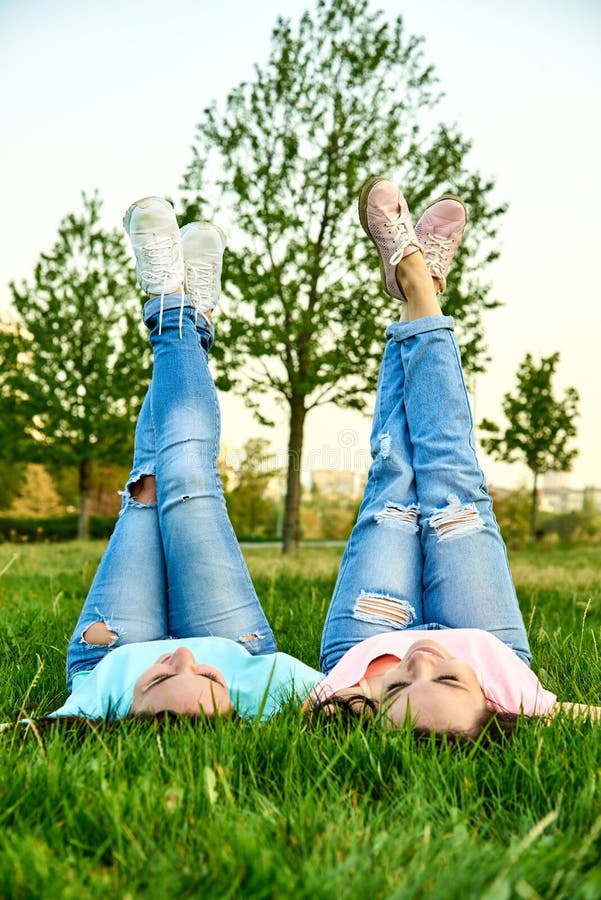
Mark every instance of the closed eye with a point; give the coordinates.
(166, 675)
(158, 680)
(394, 689)
(449, 678)
(211, 677)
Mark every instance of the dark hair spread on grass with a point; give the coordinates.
(493, 726)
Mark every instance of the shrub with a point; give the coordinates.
(56, 528)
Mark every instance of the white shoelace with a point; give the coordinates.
(397, 229)
(200, 281)
(159, 263)
(436, 254)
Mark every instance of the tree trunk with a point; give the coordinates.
(293, 482)
(85, 479)
(533, 508)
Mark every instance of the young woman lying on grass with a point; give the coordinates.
(172, 621)
(426, 553)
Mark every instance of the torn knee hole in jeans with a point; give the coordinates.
(456, 520)
(99, 635)
(383, 609)
(140, 490)
(395, 515)
(252, 642)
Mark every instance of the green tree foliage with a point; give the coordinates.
(13, 469)
(344, 95)
(76, 367)
(512, 511)
(37, 497)
(569, 527)
(328, 517)
(13, 475)
(589, 501)
(252, 512)
(539, 427)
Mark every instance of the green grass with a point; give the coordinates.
(285, 809)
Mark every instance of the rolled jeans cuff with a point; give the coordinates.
(204, 325)
(400, 331)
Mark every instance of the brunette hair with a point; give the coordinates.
(491, 727)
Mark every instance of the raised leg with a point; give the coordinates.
(209, 588)
(467, 581)
(379, 586)
(127, 601)
(423, 426)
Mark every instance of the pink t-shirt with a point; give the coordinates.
(507, 682)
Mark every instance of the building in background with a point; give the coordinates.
(337, 482)
(556, 495)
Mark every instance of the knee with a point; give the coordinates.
(145, 489)
(396, 515)
(381, 608)
(456, 520)
(99, 635)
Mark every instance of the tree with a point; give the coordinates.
(13, 475)
(344, 95)
(37, 497)
(539, 426)
(76, 368)
(252, 512)
(512, 511)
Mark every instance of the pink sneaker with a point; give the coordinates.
(439, 231)
(386, 219)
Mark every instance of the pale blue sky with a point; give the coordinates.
(107, 95)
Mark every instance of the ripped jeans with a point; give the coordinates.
(426, 551)
(174, 568)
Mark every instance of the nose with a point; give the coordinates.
(421, 663)
(183, 659)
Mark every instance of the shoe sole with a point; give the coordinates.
(129, 213)
(446, 197)
(185, 228)
(363, 195)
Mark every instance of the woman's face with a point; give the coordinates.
(177, 683)
(436, 690)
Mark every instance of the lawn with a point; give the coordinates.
(284, 809)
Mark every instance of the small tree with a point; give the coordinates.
(345, 95)
(13, 475)
(76, 368)
(252, 512)
(512, 511)
(37, 497)
(539, 426)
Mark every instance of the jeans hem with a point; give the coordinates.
(401, 331)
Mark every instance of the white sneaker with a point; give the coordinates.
(154, 234)
(203, 245)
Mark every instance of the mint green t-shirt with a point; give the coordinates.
(257, 684)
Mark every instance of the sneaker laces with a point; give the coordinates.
(436, 252)
(159, 263)
(200, 282)
(398, 231)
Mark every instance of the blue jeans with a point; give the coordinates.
(426, 551)
(174, 568)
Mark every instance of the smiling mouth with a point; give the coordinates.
(429, 650)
